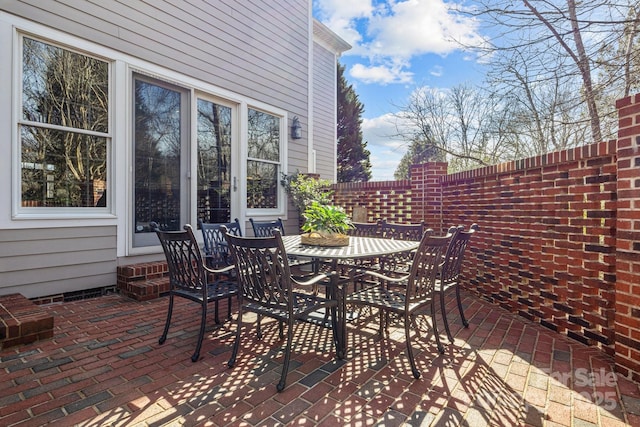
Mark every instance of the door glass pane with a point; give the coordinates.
(157, 157)
(214, 162)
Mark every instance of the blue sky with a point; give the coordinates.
(398, 47)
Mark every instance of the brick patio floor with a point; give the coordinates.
(104, 367)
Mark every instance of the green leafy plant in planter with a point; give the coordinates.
(325, 225)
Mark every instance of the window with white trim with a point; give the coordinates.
(263, 160)
(199, 164)
(63, 128)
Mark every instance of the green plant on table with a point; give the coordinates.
(322, 218)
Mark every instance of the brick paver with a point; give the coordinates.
(104, 366)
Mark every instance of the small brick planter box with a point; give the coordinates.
(22, 321)
(143, 282)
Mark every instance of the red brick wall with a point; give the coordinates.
(427, 193)
(389, 200)
(546, 247)
(559, 239)
(627, 304)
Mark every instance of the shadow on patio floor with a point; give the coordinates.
(104, 367)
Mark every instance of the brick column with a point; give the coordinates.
(627, 323)
(426, 193)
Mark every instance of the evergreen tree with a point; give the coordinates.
(353, 157)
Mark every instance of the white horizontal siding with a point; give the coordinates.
(324, 107)
(256, 49)
(46, 261)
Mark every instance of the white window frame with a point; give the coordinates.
(280, 211)
(18, 211)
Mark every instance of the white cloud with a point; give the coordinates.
(390, 33)
(342, 17)
(416, 27)
(380, 74)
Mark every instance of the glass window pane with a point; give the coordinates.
(262, 185)
(264, 136)
(64, 88)
(214, 162)
(62, 169)
(157, 157)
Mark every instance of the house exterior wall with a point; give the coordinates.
(558, 241)
(324, 109)
(251, 53)
(50, 261)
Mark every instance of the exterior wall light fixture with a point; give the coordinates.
(296, 129)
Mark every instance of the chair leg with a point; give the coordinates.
(258, 328)
(287, 357)
(163, 338)
(407, 333)
(216, 318)
(236, 343)
(464, 319)
(444, 316)
(281, 329)
(435, 327)
(203, 324)
(337, 337)
(383, 323)
(229, 309)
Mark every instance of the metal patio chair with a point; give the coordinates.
(216, 252)
(266, 228)
(400, 263)
(189, 278)
(365, 229)
(412, 292)
(267, 289)
(450, 272)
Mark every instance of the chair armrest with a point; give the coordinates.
(314, 279)
(383, 277)
(222, 270)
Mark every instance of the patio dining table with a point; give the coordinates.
(359, 248)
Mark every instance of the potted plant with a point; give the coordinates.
(325, 225)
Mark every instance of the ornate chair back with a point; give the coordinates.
(266, 228)
(391, 230)
(215, 245)
(365, 229)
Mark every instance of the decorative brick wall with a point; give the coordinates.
(546, 247)
(389, 200)
(559, 239)
(627, 303)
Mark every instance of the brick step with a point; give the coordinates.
(143, 282)
(22, 321)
